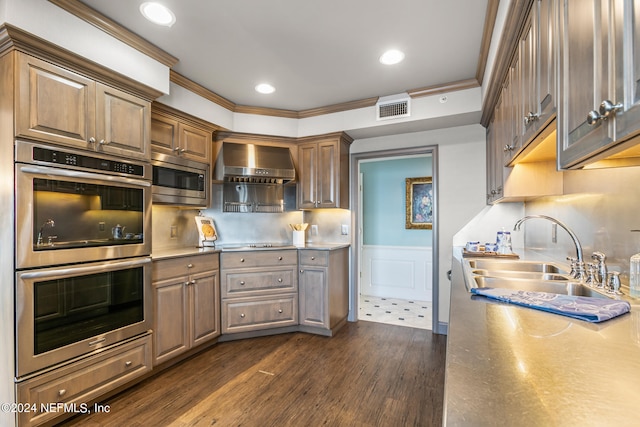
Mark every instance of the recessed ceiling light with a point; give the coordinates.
(157, 13)
(265, 88)
(391, 57)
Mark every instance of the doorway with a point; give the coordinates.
(395, 266)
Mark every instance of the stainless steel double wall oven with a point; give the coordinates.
(83, 245)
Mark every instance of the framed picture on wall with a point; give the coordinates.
(419, 204)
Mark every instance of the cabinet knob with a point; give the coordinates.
(177, 149)
(102, 142)
(593, 118)
(279, 258)
(189, 265)
(279, 310)
(312, 258)
(182, 150)
(301, 271)
(280, 279)
(194, 281)
(241, 259)
(607, 107)
(530, 118)
(62, 392)
(242, 315)
(92, 140)
(242, 282)
(508, 148)
(128, 363)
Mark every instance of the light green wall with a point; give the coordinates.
(384, 201)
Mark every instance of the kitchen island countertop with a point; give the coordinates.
(510, 365)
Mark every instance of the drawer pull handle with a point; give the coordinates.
(98, 341)
(280, 279)
(189, 265)
(62, 392)
(242, 282)
(128, 363)
(312, 258)
(242, 315)
(279, 310)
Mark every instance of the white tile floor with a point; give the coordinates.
(414, 314)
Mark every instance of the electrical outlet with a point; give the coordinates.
(344, 229)
(314, 229)
(174, 231)
(101, 226)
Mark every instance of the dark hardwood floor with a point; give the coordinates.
(369, 374)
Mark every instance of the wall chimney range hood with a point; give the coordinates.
(253, 163)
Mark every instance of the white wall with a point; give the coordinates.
(461, 175)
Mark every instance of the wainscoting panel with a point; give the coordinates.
(397, 272)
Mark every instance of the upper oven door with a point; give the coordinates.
(68, 216)
(183, 183)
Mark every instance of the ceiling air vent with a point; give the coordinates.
(393, 107)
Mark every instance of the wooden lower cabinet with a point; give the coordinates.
(323, 290)
(259, 290)
(186, 304)
(73, 389)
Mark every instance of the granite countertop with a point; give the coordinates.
(192, 250)
(510, 365)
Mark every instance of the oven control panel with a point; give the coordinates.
(82, 161)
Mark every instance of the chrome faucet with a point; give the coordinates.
(579, 269)
(51, 223)
(601, 269)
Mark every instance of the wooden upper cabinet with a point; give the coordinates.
(323, 168)
(174, 133)
(584, 79)
(122, 123)
(59, 106)
(54, 104)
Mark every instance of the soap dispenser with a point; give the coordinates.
(634, 275)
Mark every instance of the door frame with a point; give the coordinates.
(357, 232)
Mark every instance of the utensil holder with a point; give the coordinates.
(298, 238)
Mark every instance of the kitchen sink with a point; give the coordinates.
(533, 285)
(522, 275)
(511, 265)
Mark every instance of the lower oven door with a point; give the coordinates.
(64, 313)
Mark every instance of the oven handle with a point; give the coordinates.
(106, 266)
(43, 170)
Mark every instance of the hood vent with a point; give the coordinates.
(255, 164)
(393, 107)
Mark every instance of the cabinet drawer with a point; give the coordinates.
(177, 267)
(262, 258)
(250, 314)
(313, 257)
(258, 282)
(83, 381)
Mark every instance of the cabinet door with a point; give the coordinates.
(584, 79)
(547, 34)
(123, 123)
(54, 104)
(195, 143)
(328, 174)
(313, 297)
(510, 98)
(626, 18)
(528, 119)
(164, 134)
(307, 168)
(205, 297)
(171, 326)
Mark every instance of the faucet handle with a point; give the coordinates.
(613, 283)
(599, 256)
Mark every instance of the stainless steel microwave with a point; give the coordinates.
(180, 182)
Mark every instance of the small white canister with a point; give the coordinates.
(298, 238)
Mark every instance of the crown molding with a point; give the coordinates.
(444, 88)
(489, 24)
(116, 30)
(198, 89)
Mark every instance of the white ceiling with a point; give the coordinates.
(316, 53)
